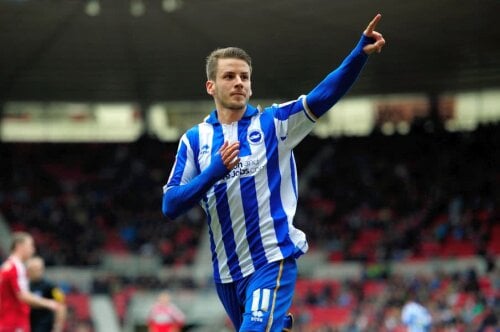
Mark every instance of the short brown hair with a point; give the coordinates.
(225, 53)
(18, 238)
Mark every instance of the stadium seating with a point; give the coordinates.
(78, 306)
(456, 301)
(373, 202)
(378, 200)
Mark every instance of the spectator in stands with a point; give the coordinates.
(44, 320)
(15, 296)
(414, 315)
(165, 316)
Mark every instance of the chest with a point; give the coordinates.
(256, 144)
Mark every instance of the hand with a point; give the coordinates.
(53, 305)
(229, 154)
(59, 318)
(57, 329)
(370, 32)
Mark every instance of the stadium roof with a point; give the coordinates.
(53, 50)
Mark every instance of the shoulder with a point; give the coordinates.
(47, 284)
(286, 109)
(196, 130)
(192, 136)
(10, 267)
(199, 132)
(6, 267)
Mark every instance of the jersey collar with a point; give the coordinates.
(249, 112)
(16, 259)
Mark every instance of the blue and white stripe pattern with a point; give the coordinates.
(416, 317)
(250, 211)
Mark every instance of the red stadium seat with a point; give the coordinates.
(121, 301)
(459, 248)
(374, 288)
(430, 249)
(79, 303)
(329, 316)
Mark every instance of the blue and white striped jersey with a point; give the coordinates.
(250, 211)
(416, 317)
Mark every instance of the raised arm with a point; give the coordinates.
(178, 198)
(338, 82)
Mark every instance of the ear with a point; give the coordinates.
(210, 86)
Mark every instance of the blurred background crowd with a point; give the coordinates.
(371, 200)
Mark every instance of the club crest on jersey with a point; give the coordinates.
(255, 136)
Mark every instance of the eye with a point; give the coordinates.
(228, 76)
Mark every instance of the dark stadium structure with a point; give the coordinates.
(52, 50)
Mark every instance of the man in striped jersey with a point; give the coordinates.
(239, 165)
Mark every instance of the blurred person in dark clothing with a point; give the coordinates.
(41, 319)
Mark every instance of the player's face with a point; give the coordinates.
(28, 248)
(232, 86)
(35, 270)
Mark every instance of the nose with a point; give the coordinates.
(239, 81)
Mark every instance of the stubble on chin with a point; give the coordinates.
(236, 106)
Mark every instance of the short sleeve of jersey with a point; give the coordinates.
(15, 275)
(185, 167)
(294, 121)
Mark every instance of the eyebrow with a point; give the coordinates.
(233, 72)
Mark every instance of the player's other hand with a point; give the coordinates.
(54, 305)
(229, 153)
(370, 32)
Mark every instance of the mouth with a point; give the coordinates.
(238, 94)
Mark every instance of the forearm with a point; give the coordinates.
(178, 199)
(59, 319)
(338, 82)
(178, 315)
(36, 301)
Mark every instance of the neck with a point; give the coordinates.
(228, 116)
(17, 255)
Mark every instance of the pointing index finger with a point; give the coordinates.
(373, 24)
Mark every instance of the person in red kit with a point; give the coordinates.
(165, 316)
(15, 297)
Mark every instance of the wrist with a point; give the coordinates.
(365, 40)
(51, 305)
(217, 169)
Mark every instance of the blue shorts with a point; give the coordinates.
(260, 302)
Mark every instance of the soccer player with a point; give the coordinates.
(42, 319)
(238, 164)
(165, 316)
(15, 297)
(416, 317)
